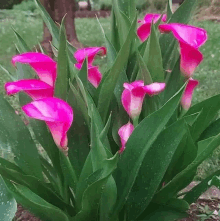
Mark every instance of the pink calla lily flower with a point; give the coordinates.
(144, 30)
(125, 132)
(188, 93)
(36, 89)
(57, 114)
(190, 39)
(94, 75)
(45, 67)
(134, 93)
(81, 54)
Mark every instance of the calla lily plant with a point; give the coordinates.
(115, 144)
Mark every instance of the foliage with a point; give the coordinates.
(26, 5)
(97, 181)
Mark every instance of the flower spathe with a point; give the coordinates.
(57, 114)
(125, 132)
(144, 30)
(188, 93)
(36, 89)
(81, 54)
(190, 39)
(94, 75)
(134, 93)
(45, 68)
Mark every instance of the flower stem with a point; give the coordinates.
(135, 121)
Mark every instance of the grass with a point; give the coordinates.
(30, 27)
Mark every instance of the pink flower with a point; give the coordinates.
(36, 89)
(56, 113)
(94, 75)
(124, 133)
(45, 68)
(134, 93)
(190, 39)
(81, 54)
(188, 93)
(144, 30)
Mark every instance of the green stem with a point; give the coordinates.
(135, 121)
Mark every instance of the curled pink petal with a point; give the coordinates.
(45, 67)
(81, 54)
(188, 93)
(154, 17)
(164, 18)
(143, 31)
(191, 35)
(124, 133)
(36, 89)
(132, 98)
(78, 66)
(190, 59)
(154, 88)
(134, 93)
(57, 114)
(94, 76)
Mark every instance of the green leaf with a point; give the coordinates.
(142, 138)
(44, 137)
(81, 104)
(212, 130)
(54, 30)
(210, 108)
(11, 76)
(162, 213)
(110, 81)
(78, 136)
(38, 187)
(22, 45)
(174, 83)
(98, 153)
(203, 144)
(62, 80)
(144, 73)
(123, 22)
(161, 152)
(94, 187)
(128, 8)
(15, 134)
(200, 188)
(114, 32)
(108, 199)
(83, 74)
(169, 9)
(153, 57)
(36, 204)
(68, 171)
(104, 133)
(182, 179)
(8, 205)
(185, 154)
(184, 13)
